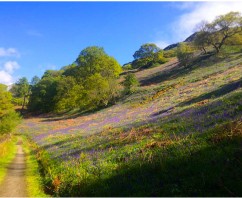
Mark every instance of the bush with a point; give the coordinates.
(127, 66)
(169, 53)
(9, 121)
(130, 83)
(150, 61)
(159, 58)
(185, 54)
(142, 63)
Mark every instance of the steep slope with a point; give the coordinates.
(177, 118)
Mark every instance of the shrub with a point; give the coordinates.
(130, 83)
(127, 66)
(185, 54)
(9, 121)
(169, 53)
(159, 58)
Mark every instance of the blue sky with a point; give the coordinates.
(36, 36)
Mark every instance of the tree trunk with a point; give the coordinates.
(205, 52)
(216, 48)
(23, 104)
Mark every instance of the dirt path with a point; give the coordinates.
(14, 184)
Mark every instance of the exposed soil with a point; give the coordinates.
(14, 184)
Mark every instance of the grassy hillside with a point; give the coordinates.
(179, 134)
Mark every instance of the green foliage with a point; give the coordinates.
(42, 98)
(235, 40)
(159, 58)
(201, 41)
(94, 60)
(146, 50)
(97, 90)
(52, 73)
(149, 55)
(69, 94)
(220, 31)
(142, 63)
(127, 66)
(17, 101)
(20, 90)
(169, 53)
(185, 54)
(151, 61)
(34, 180)
(34, 80)
(9, 119)
(130, 83)
(89, 83)
(5, 100)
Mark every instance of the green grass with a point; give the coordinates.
(194, 151)
(33, 178)
(7, 153)
(206, 164)
(156, 159)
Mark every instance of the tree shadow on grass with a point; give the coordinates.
(211, 170)
(66, 116)
(200, 112)
(223, 90)
(178, 70)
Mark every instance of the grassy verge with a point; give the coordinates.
(7, 153)
(33, 177)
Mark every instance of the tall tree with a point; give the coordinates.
(21, 90)
(220, 30)
(42, 97)
(34, 80)
(98, 73)
(88, 83)
(146, 50)
(201, 40)
(94, 60)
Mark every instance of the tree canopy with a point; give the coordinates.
(146, 50)
(94, 60)
(219, 31)
(88, 83)
(21, 90)
(147, 56)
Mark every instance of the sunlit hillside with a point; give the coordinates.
(178, 134)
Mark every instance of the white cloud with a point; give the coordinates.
(6, 72)
(9, 52)
(186, 23)
(10, 66)
(194, 13)
(5, 78)
(161, 44)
